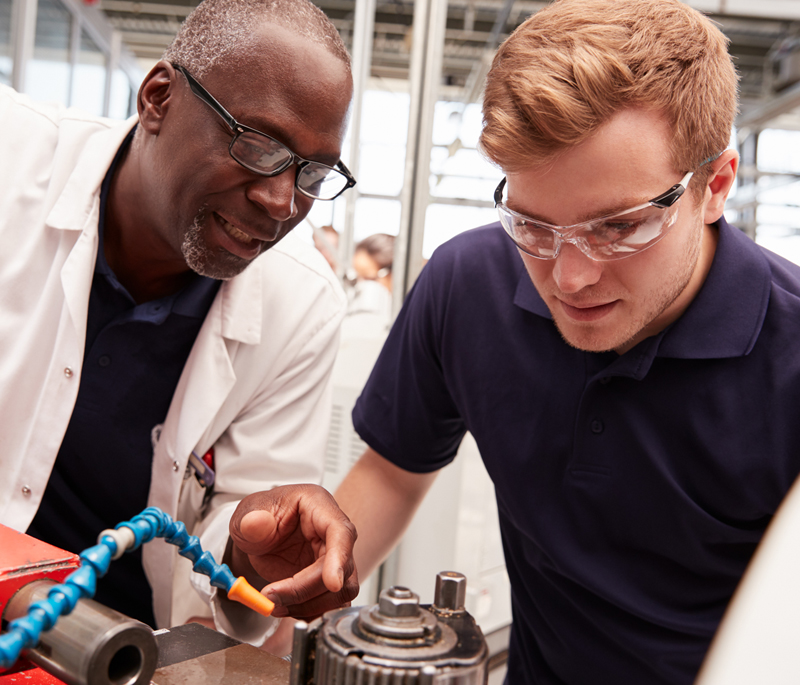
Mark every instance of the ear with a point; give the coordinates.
(719, 185)
(155, 96)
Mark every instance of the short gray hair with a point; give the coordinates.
(216, 29)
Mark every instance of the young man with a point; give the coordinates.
(152, 309)
(624, 358)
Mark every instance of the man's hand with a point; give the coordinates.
(295, 544)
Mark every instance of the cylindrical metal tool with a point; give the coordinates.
(396, 640)
(93, 645)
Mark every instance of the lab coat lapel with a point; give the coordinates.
(192, 422)
(209, 375)
(77, 208)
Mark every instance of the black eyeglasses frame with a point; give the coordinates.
(238, 129)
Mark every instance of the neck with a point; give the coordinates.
(705, 257)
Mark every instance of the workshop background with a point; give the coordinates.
(419, 69)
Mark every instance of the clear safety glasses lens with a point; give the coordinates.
(264, 155)
(613, 237)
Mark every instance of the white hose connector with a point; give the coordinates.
(124, 538)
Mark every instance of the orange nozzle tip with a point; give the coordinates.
(241, 591)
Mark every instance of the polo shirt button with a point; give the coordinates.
(26, 491)
(175, 466)
(597, 426)
(104, 361)
(68, 372)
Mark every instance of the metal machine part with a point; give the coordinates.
(192, 654)
(93, 645)
(396, 641)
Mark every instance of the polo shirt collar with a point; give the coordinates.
(725, 318)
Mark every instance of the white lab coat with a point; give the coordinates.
(256, 385)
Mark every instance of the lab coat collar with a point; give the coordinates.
(240, 304)
(239, 308)
(77, 205)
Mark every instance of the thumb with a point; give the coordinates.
(253, 531)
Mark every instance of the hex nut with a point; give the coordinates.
(398, 602)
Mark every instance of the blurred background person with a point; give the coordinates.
(369, 281)
(373, 257)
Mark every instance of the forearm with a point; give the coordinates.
(380, 499)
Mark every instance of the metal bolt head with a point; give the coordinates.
(451, 591)
(398, 602)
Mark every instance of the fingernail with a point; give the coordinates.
(280, 612)
(341, 577)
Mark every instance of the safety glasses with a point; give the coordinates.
(616, 236)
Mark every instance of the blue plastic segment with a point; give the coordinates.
(222, 577)
(205, 564)
(177, 535)
(98, 557)
(49, 612)
(109, 543)
(191, 549)
(85, 579)
(26, 631)
(70, 593)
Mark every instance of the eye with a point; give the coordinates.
(252, 152)
(617, 230)
(535, 235)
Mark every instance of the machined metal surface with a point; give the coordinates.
(239, 665)
(396, 641)
(93, 645)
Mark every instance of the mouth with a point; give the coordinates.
(235, 233)
(234, 240)
(588, 312)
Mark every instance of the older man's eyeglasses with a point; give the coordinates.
(610, 237)
(264, 155)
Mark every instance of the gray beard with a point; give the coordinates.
(220, 265)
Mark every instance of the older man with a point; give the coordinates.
(625, 359)
(152, 310)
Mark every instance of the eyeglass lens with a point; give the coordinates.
(265, 155)
(609, 238)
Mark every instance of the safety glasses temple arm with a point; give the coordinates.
(673, 194)
(498, 192)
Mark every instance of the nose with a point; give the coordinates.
(574, 271)
(274, 194)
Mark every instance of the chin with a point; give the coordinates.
(589, 340)
(222, 266)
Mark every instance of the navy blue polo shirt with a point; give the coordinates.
(632, 490)
(133, 359)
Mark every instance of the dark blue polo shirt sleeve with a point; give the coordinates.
(413, 421)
